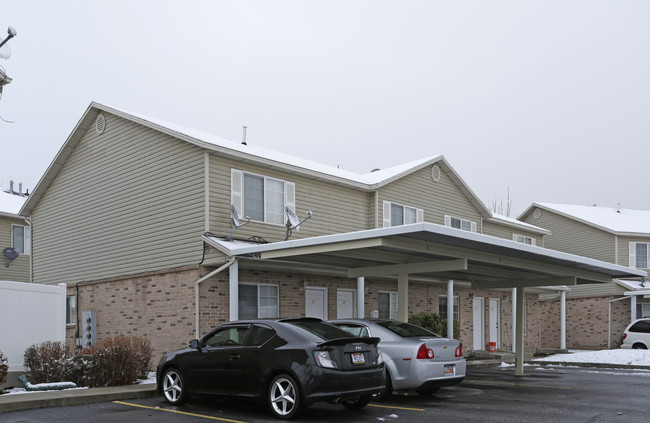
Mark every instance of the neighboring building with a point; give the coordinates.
(14, 234)
(597, 314)
(134, 215)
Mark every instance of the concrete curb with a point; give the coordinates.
(591, 365)
(75, 397)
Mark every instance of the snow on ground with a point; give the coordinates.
(151, 378)
(618, 356)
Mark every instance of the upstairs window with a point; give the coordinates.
(523, 239)
(458, 223)
(21, 239)
(639, 255)
(397, 214)
(261, 198)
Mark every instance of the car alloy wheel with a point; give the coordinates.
(174, 386)
(284, 397)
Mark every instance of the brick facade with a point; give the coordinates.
(161, 305)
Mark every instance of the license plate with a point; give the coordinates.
(448, 370)
(358, 358)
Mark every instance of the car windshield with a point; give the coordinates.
(407, 329)
(323, 331)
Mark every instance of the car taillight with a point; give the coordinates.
(424, 352)
(323, 359)
(459, 350)
(624, 336)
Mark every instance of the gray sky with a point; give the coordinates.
(549, 99)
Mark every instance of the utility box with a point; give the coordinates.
(88, 328)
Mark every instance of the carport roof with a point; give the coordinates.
(432, 252)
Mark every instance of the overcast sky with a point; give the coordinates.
(547, 99)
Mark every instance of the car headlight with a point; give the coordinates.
(323, 359)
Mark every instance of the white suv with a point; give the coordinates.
(637, 335)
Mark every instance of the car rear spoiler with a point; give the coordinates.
(350, 340)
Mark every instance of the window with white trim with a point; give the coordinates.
(398, 214)
(21, 239)
(387, 305)
(70, 310)
(442, 307)
(458, 223)
(260, 197)
(524, 239)
(642, 309)
(258, 301)
(639, 255)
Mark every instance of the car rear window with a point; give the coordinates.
(407, 329)
(322, 330)
(641, 326)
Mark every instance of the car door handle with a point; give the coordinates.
(235, 357)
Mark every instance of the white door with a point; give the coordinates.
(316, 302)
(479, 322)
(344, 304)
(495, 322)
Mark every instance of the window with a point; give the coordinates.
(398, 214)
(258, 301)
(260, 197)
(442, 307)
(458, 223)
(227, 336)
(387, 305)
(639, 255)
(71, 310)
(21, 239)
(259, 335)
(642, 309)
(523, 239)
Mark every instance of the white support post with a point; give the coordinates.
(403, 297)
(563, 320)
(234, 291)
(361, 297)
(450, 309)
(633, 308)
(514, 318)
(519, 349)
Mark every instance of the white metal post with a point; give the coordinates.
(450, 309)
(563, 320)
(519, 349)
(361, 297)
(403, 297)
(234, 290)
(514, 318)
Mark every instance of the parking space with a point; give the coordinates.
(544, 395)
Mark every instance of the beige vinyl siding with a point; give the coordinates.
(18, 270)
(506, 232)
(575, 237)
(335, 209)
(596, 290)
(437, 199)
(127, 201)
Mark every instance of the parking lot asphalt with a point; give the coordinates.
(81, 396)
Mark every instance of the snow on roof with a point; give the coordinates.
(519, 223)
(614, 220)
(366, 178)
(10, 203)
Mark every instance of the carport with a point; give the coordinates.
(422, 252)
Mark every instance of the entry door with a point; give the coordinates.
(316, 302)
(344, 304)
(479, 323)
(495, 322)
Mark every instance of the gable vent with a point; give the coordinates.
(100, 124)
(435, 173)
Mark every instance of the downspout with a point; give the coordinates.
(229, 263)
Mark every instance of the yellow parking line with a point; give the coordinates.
(396, 408)
(480, 382)
(178, 412)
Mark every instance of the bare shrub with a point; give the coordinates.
(4, 368)
(49, 362)
(117, 361)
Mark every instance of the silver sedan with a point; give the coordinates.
(415, 358)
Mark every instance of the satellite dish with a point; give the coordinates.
(293, 222)
(11, 254)
(236, 223)
(5, 51)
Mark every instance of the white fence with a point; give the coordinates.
(29, 313)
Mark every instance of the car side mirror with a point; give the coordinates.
(194, 343)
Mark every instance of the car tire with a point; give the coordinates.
(639, 346)
(284, 397)
(173, 386)
(386, 393)
(358, 403)
(427, 392)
